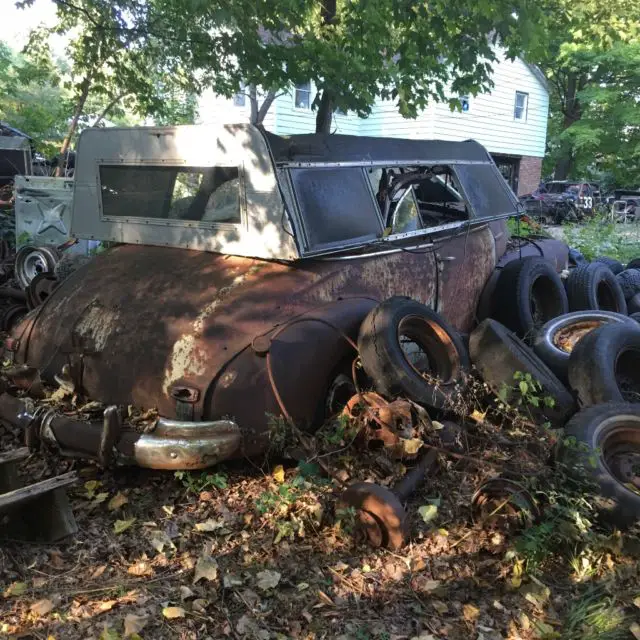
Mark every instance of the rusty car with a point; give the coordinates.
(241, 267)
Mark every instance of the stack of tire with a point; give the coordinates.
(576, 339)
(573, 337)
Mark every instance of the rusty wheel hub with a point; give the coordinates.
(380, 514)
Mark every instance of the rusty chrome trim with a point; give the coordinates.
(177, 444)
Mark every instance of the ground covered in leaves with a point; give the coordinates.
(261, 551)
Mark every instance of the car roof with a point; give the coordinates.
(366, 150)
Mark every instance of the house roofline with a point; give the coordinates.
(537, 73)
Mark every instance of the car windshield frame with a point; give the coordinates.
(304, 232)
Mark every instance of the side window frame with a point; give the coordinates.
(172, 222)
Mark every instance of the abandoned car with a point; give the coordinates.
(244, 265)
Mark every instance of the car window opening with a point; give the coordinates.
(193, 194)
(412, 198)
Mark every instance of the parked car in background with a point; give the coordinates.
(560, 201)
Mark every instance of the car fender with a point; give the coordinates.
(305, 354)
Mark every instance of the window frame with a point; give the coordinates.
(172, 222)
(300, 88)
(525, 107)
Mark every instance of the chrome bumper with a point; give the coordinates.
(175, 444)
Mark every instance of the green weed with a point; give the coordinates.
(196, 483)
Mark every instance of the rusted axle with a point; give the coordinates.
(172, 445)
(380, 511)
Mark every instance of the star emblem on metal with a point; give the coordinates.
(52, 219)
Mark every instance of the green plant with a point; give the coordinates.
(595, 616)
(338, 432)
(196, 483)
(599, 236)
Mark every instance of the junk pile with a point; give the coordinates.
(562, 346)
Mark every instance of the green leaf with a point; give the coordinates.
(428, 512)
(524, 387)
(120, 526)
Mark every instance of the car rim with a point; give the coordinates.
(428, 348)
(621, 454)
(566, 338)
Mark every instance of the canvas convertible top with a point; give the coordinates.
(342, 149)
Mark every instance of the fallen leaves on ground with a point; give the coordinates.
(173, 612)
(267, 579)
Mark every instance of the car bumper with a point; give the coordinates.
(169, 445)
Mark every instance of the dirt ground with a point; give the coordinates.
(260, 552)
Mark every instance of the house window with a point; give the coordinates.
(240, 97)
(464, 103)
(520, 106)
(302, 98)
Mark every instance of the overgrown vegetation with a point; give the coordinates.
(598, 236)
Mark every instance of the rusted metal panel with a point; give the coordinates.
(465, 264)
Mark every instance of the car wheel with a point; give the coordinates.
(605, 365)
(603, 443)
(528, 293)
(593, 286)
(634, 264)
(499, 354)
(556, 339)
(629, 281)
(406, 348)
(613, 264)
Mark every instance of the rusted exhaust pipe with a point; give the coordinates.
(172, 445)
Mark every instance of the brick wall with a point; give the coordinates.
(529, 176)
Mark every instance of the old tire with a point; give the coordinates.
(633, 264)
(32, 260)
(406, 348)
(635, 316)
(629, 281)
(603, 444)
(593, 286)
(499, 354)
(633, 305)
(528, 293)
(613, 264)
(576, 258)
(605, 365)
(568, 331)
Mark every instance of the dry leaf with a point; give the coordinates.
(440, 607)
(15, 589)
(470, 612)
(117, 501)
(325, 598)
(134, 624)
(119, 526)
(173, 612)
(100, 497)
(267, 579)
(209, 525)
(635, 630)
(140, 568)
(278, 474)
(206, 568)
(186, 593)
(411, 446)
(99, 571)
(107, 605)
(199, 605)
(229, 581)
(636, 601)
(159, 540)
(42, 607)
(39, 582)
(430, 585)
(91, 486)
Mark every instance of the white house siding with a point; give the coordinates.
(216, 109)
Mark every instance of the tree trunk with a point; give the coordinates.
(84, 92)
(108, 108)
(572, 113)
(325, 113)
(253, 103)
(325, 106)
(265, 106)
